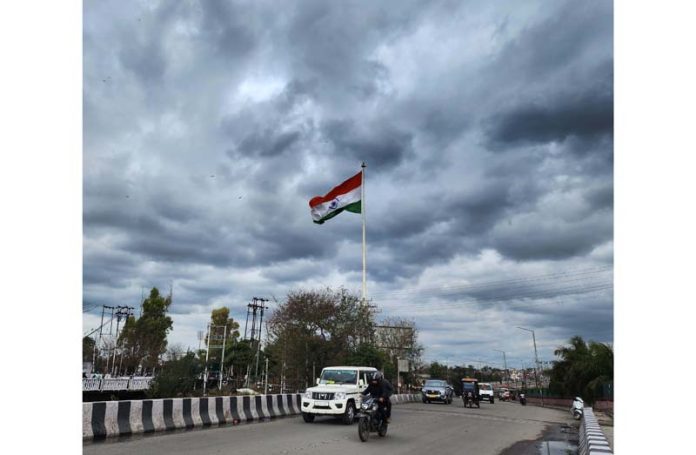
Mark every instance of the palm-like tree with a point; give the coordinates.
(582, 369)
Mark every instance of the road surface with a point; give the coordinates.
(416, 428)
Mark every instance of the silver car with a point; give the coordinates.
(437, 390)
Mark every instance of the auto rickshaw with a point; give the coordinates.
(470, 392)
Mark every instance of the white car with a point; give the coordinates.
(486, 391)
(337, 393)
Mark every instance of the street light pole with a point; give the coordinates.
(536, 360)
(507, 376)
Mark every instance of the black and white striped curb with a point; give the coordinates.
(592, 439)
(104, 419)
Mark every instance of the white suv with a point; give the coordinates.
(337, 393)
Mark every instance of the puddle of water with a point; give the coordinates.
(557, 448)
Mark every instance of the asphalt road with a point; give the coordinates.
(416, 428)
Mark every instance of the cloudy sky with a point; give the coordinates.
(486, 126)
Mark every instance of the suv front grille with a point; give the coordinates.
(322, 395)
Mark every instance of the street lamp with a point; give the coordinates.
(536, 359)
(504, 366)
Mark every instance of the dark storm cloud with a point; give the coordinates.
(486, 128)
(267, 143)
(386, 146)
(225, 25)
(145, 60)
(551, 240)
(587, 114)
(561, 40)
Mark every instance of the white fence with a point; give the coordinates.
(115, 384)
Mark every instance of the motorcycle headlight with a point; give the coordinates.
(364, 406)
(340, 396)
(308, 394)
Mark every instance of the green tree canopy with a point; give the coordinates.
(315, 329)
(87, 349)
(145, 338)
(583, 369)
(219, 320)
(177, 377)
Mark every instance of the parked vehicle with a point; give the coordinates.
(486, 391)
(577, 408)
(337, 393)
(523, 399)
(470, 392)
(437, 390)
(371, 419)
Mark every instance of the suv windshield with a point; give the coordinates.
(434, 384)
(338, 377)
(485, 387)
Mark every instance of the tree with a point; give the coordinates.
(87, 349)
(314, 329)
(177, 377)
(368, 355)
(144, 339)
(219, 319)
(437, 371)
(582, 369)
(398, 339)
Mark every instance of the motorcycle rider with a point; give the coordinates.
(380, 389)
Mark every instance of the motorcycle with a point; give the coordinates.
(523, 399)
(577, 408)
(372, 419)
(470, 400)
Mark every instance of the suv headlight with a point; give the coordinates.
(308, 394)
(340, 396)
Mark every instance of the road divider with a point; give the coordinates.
(104, 419)
(592, 438)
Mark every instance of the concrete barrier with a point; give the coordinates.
(104, 419)
(592, 439)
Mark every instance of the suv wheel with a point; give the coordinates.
(309, 418)
(349, 415)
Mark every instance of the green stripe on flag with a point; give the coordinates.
(355, 207)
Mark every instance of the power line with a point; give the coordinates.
(442, 289)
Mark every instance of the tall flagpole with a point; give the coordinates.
(364, 255)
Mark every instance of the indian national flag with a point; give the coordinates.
(345, 196)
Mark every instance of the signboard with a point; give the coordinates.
(403, 365)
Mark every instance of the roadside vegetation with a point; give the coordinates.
(583, 369)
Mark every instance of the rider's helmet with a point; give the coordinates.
(376, 378)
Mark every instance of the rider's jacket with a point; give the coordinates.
(383, 389)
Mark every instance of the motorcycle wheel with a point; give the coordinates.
(382, 432)
(363, 429)
(478, 405)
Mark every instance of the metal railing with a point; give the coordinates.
(115, 384)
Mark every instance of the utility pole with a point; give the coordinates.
(506, 376)
(265, 389)
(253, 308)
(222, 360)
(201, 336)
(536, 360)
(207, 351)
